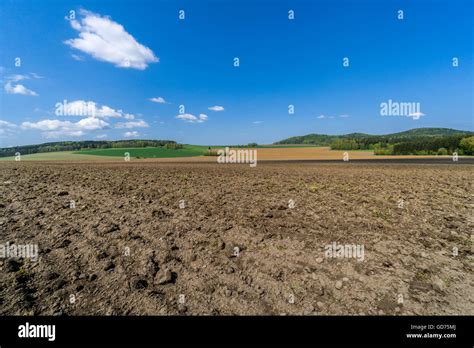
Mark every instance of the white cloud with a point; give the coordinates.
(62, 133)
(18, 77)
(133, 134)
(108, 41)
(192, 119)
(132, 124)
(6, 124)
(46, 125)
(88, 109)
(77, 57)
(332, 117)
(56, 128)
(107, 111)
(101, 136)
(19, 89)
(159, 100)
(257, 122)
(216, 108)
(12, 87)
(91, 123)
(7, 127)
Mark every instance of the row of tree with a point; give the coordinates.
(438, 145)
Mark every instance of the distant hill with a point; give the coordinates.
(326, 140)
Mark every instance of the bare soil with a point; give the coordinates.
(128, 248)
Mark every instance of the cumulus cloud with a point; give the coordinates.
(108, 41)
(57, 128)
(159, 100)
(192, 119)
(19, 89)
(132, 124)
(133, 134)
(6, 124)
(13, 87)
(88, 109)
(7, 127)
(216, 108)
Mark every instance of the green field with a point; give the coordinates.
(55, 156)
(147, 152)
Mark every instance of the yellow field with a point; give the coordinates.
(295, 153)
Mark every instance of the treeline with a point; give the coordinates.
(436, 146)
(88, 144)
(310, 139)
(462, 144)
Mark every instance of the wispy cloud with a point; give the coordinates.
(159, 100)
(133, 124)
(108, 41)
(192, 119)
(257, 122)
(332, 117)
(6, 127)
(132, 134)
(216, 108)
(77, 57)
(13, 87)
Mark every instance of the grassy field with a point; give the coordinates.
(147, 152)
(55, 156)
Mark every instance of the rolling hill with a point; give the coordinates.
(326, 140)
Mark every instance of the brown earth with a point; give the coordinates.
(128, 248)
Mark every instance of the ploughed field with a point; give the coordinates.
(203, 238)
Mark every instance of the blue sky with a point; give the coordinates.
(116, 56)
